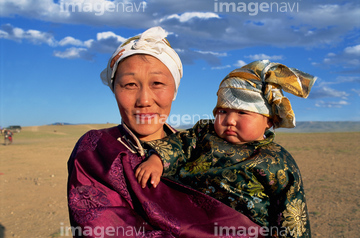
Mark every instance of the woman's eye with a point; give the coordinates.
(158, 83)
(130, 85)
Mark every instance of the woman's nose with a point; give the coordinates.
(143, 97)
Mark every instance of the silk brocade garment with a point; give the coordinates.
(105, 199)
(259, 179)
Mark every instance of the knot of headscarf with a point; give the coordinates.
(257, 87)
(151, 42)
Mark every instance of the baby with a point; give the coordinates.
(234, 158)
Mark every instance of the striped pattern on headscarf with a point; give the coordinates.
(258, 87)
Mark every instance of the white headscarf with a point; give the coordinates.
(151, 42)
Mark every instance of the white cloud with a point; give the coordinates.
(323, 15)
(211, 53)
(331, 104)
(109, 34)
(357, 91)
(187, 16)
(190, 20)
(239, 63)
(10, 32)
(70, 53)
(70, 41)
(88, 43)
(221, 67)
(325, 91)
(331, 54)
(348, 58)
(355, 50)
(348, 79)
(73, 53)
(264, 57)
(105, 42)
(197, 26)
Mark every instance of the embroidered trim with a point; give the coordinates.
(122, 142)
(138, 147)
(138, 144)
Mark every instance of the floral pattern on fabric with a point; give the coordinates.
(87, 203)
(259, 179)
(295, 217)
(161, 218)
(203, 202)
(118, 180)
(89, 141)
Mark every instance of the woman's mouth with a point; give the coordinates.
(143, 117)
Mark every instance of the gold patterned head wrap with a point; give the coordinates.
(257, 87)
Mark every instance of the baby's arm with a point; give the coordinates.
(153, 168)
(171, 154)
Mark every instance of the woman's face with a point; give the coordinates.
(144, 89)
(239, 126)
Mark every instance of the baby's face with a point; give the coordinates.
(239, 126)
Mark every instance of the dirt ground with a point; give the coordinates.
(33, 176)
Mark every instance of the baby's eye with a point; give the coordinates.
(221, 111)
(242, 112)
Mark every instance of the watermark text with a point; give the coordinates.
(253, 8)
(101, 231)
(101, 7)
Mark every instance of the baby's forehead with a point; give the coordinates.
(234, 109)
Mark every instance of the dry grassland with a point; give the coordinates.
(33, 176)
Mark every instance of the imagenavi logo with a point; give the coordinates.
(101, 7)
(253, 8)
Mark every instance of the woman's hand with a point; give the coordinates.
(153, 168)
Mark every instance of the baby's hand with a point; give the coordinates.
(153, 168)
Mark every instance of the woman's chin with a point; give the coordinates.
(149, 131)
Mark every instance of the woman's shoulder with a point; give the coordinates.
(92, 140)
(93, 135)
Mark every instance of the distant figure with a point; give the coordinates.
(7, 136)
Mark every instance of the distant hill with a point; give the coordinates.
(324, 126)
(315, 126)
(60, 124)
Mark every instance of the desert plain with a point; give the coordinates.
(33, 177)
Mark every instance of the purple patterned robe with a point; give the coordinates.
(105, 199)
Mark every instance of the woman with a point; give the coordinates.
(104, 197)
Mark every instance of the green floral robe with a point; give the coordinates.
(259, 179)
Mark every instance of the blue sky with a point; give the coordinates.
(52, 53)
